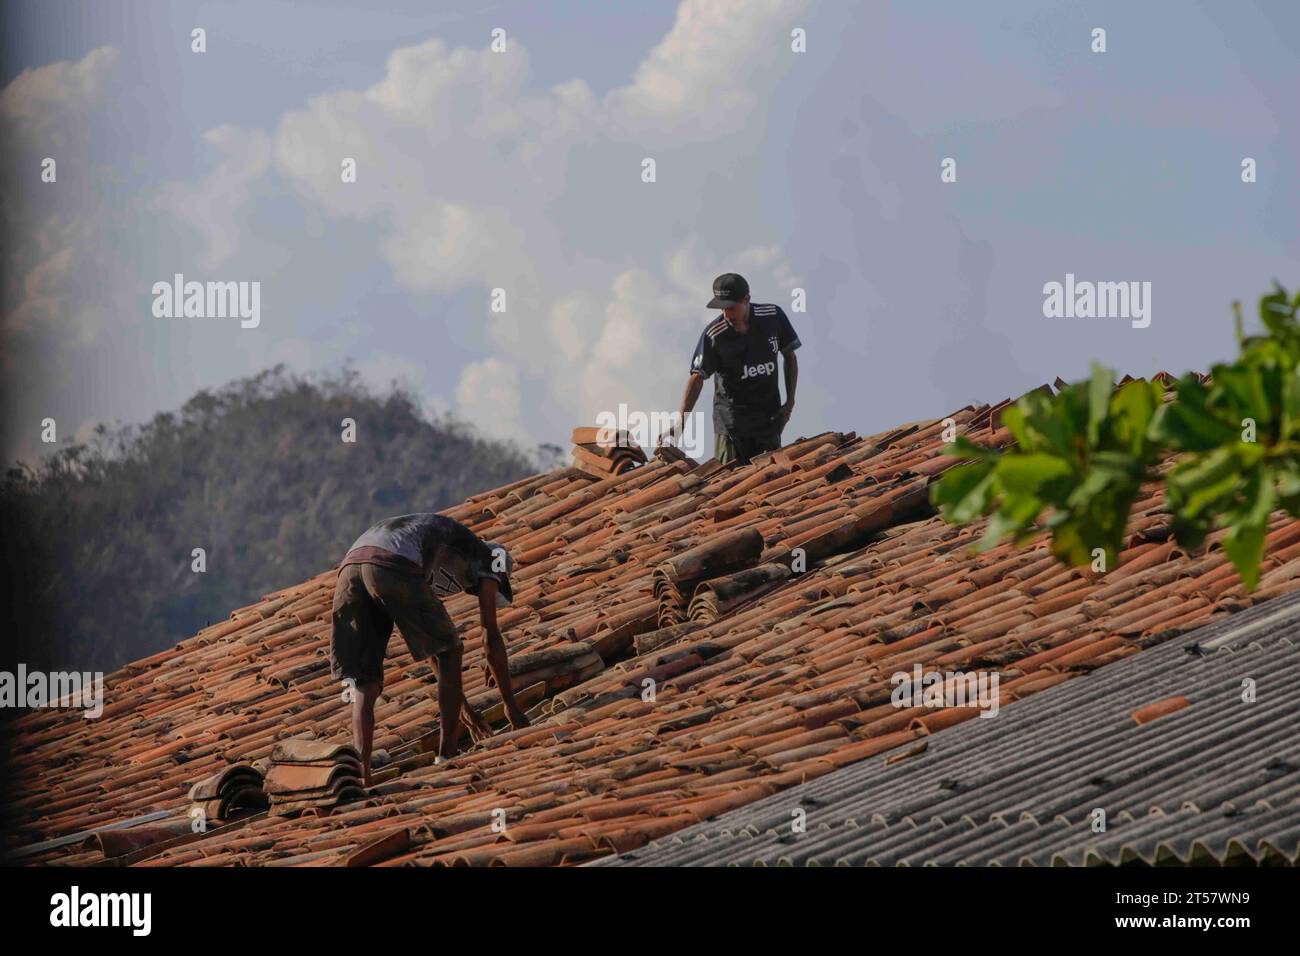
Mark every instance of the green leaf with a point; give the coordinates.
(1288, 488)
(1290, 420)
(1239, 390)
(1275, 312)
(1119, 462)
(1014, 517)
(1068, 545)
(1100, 388)
(1013, 420)
(1204, 479)
(1261, 495)
(964, 493)
(1186, 424)
(1046, 423)
(1097, 482)
(1190, 533)
(1026, 474)
(1244, 542)
(1132, 409)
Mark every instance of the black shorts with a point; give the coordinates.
(741, 446)
(368, 600)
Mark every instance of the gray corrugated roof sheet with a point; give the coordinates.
(1216, 781)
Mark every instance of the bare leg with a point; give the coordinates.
(450, 700)
(363, 722)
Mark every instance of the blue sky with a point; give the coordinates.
(521, 170)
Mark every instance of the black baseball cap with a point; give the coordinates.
(728, 290)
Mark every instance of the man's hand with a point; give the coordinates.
(786, 411)
(671, 431)
(678, 424)
(478, 727)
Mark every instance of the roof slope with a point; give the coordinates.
(776, 680)
(1216, 780)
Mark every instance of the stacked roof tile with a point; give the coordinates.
(312, 775)
(1203, 773)
(646, 718)
(601, 453)
(230, 793)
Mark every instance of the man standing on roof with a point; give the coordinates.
(395, 573)
(739, 349)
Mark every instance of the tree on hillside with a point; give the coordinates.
(100, 538)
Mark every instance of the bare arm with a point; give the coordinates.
(791, 362)
(694, 385)
(495, 648)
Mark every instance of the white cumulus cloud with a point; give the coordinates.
(470, 173)
(212, 207)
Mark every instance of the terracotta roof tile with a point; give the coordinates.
(669, 572)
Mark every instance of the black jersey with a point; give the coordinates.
(746, 394)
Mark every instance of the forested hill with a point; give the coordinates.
(99, 538)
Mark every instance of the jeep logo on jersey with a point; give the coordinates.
(753, 371)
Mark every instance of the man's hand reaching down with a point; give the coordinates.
(478, 727)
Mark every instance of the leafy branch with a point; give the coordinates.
(1082, 455)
